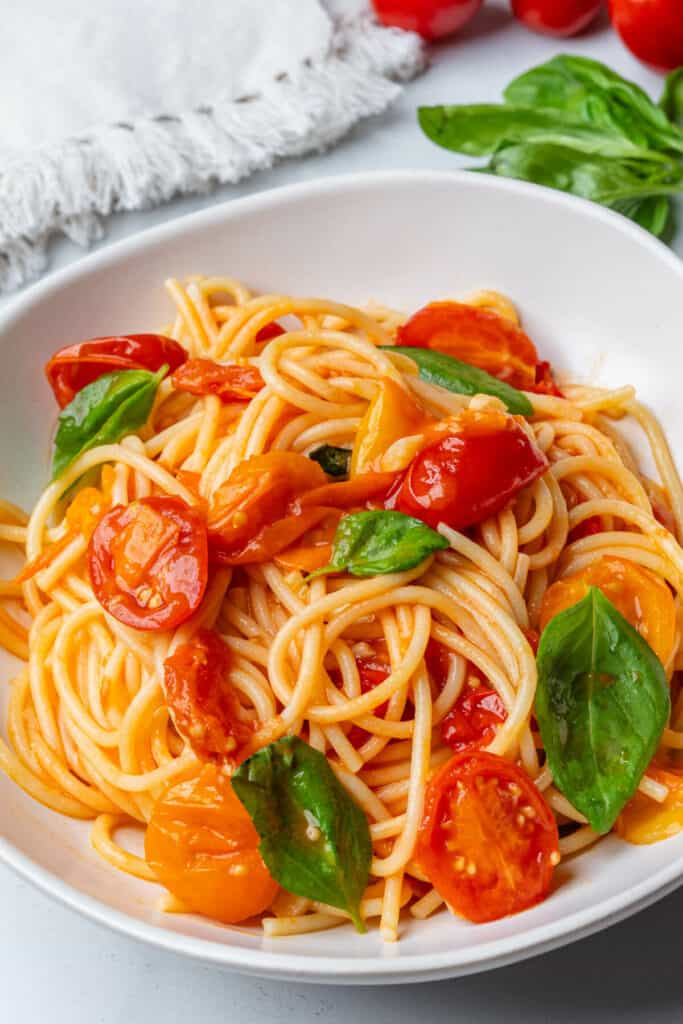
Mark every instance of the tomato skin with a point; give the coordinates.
(488, 841)
(347, 494)
(651, 29)
(148, 562)
(203, 847)
(471, 474)
(644, 821)
(641, 597)
(72, 367)
(473, 720)
(230, 383)
(559, 18)
(432, 19)
(270, 331)
(202, 702)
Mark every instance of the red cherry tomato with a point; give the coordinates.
(148, 562)
(474, 719)
(471, 474)
(556, 17)
(488, 841)
(201, 700)
(271, 330)
(432, 19)
(652, 30)
(73, 367)
(230, 383)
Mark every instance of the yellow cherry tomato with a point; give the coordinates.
(644, 820)
(392, 414)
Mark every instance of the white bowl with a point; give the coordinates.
(601, 299)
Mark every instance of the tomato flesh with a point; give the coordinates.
(203, 704)
(645, 821)
(203, 847)
(470, 474)
(432, 19)
(556, 17)
(474, 719)
(148, 562)
(652, 30)
(641, 597)
(229, 383)
(74, 366)
(488, 842)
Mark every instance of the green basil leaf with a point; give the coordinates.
(377, 542)
(654, 213)
(454, 375)
(103, 412)
(602, 702)
(315, 840)
(335, 461)
(672, 97)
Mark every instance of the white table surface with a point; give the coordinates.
(56, 966)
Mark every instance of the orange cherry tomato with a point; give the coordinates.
(470, 474)
(203, 704)
(250, 517)
(641, 597)
(148, 562)
(351, 493)
(392, 414)
(74, 366)
(488, 841)
(314, 550)
(644, 820)
(202, 845)
(474, 719)
(230, 383)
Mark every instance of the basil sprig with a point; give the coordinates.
(575, 125)
(463, 379)
(377, 542)
(315, 840)
(602, 703)
(335, 461)
(114, 405)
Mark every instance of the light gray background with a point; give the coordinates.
(57, 966)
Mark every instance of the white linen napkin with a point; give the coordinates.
(119, 104)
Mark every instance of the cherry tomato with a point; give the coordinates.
(202, 845)
(556, 17)
(544, 384)
(432, 19)
(586, 528)
(250, 518)
(474, 719)
(271, 330)
(392, 414)
(203, 704)
(652, 30)
(488, 841)
(314, 549)
(644, 820)
(148, 562)
(205, 377)
(532, 638)
(71, 368)
(354, 493)
(471, 474)
(372, 671)
(641, 597)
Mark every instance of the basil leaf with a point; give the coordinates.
(103, 412)
(315, 840)
(652, 213)
(602, 702)
(335, 461)
(454, 375)
(672, 97)
(377, 542)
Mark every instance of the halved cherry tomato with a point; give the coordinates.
(556, 17)
(250, 518)
(271, 330)
(351, 493)
(148, 562)
(229, 382)
(432, 19)
(203, 704)
(392, 414)
(474, 719)
(488, 841)
(74, 366)
(644, 820)
(641, 597)
(202, 845)
(471, 474)
(652, 30)
(314, 549)
(372, 671)
(544, 383)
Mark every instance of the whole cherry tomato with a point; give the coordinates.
(642, 598)
(652, 30)
(202, 845)
(470, 474)
(230, 383)
(203, 704)
(432, 19)
(71, 368)
(148, 562)
(474, 719)
(556, 17)
(488, 841)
